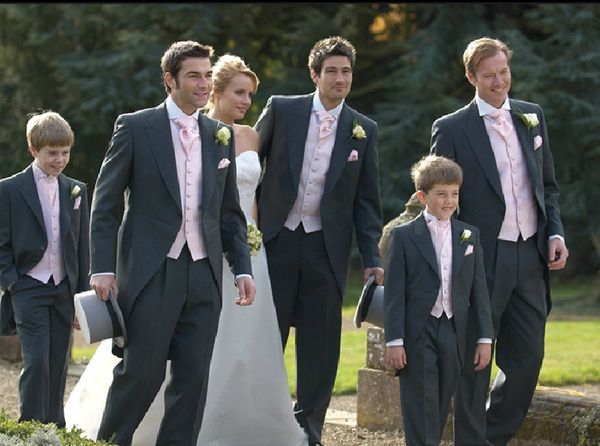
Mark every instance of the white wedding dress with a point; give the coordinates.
(248, 401)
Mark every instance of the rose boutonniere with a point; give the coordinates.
(465, 236)
(358, 132)
(254, 239)
(75, 191)
(530, 119)
(222, 136)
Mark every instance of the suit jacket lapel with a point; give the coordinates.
(210, 151)
(161, 143)
(458, 248)
(481, 146)
(300, 118)
(526, 140)
(30, 194)
(423, 241)
(341, 148)
(66, 204)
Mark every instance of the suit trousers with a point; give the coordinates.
(174, 317)
(519, 314)
(306, 296)
(428, 382)
(44, 316)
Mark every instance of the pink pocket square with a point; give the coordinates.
(469, 250)
(353, 155)
(223, 163)
(537, 142)
(77, 203)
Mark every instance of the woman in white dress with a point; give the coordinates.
(248, 401)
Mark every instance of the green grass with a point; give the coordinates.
(572, 340)
(352, 358)
(83, 354)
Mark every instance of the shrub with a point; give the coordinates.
(34, 433)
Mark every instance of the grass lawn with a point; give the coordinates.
(572, 340)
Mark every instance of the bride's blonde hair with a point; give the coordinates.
(226, 68)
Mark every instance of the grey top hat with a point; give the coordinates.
(370, 304)
(99, 319)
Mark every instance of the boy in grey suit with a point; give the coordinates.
(44, 260)
(434, 274)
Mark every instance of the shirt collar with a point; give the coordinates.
(38, 173)
(174, 111)
(318, 106)
(485, 108)
(430, 218)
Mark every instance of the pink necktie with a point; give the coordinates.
(439, 226)
(51, 188)
(500, 122)
(326, 120)
(187, 132)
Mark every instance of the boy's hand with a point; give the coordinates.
(396, 357)
(483, 356)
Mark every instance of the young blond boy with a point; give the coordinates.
(434, 273)
(44, 260)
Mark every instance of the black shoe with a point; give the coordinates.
(315, 443)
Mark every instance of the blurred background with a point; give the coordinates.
(93, 62)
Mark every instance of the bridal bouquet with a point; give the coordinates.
(254, 239)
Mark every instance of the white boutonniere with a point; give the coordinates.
(358, 132)
(75, 191)
(254, 239)
(530, 119)
(465, 236)
(222, 136)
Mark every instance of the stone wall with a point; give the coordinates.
(10, 348)
(557, 417)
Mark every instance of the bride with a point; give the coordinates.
(248, 401)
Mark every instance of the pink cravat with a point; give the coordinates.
(52, 187)
(51, 263)
(326, 120)
(187, 132)
(439, 226)
(442, 243)
(500, 122)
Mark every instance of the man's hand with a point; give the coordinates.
(557, 253)
(374, 271)
(246, 290)
(483, 356)
(102, 284)
(396, 357)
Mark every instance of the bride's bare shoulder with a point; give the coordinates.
(246, 138)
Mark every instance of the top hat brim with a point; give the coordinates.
(99, 319)
(370, 305)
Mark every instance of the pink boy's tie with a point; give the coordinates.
(439, 226)
(51, 188)
(326, 120)
(187, 133)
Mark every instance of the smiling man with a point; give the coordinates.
(165, 209)
(320, 183)
(510, 192)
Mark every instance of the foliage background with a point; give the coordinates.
(92, 62)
